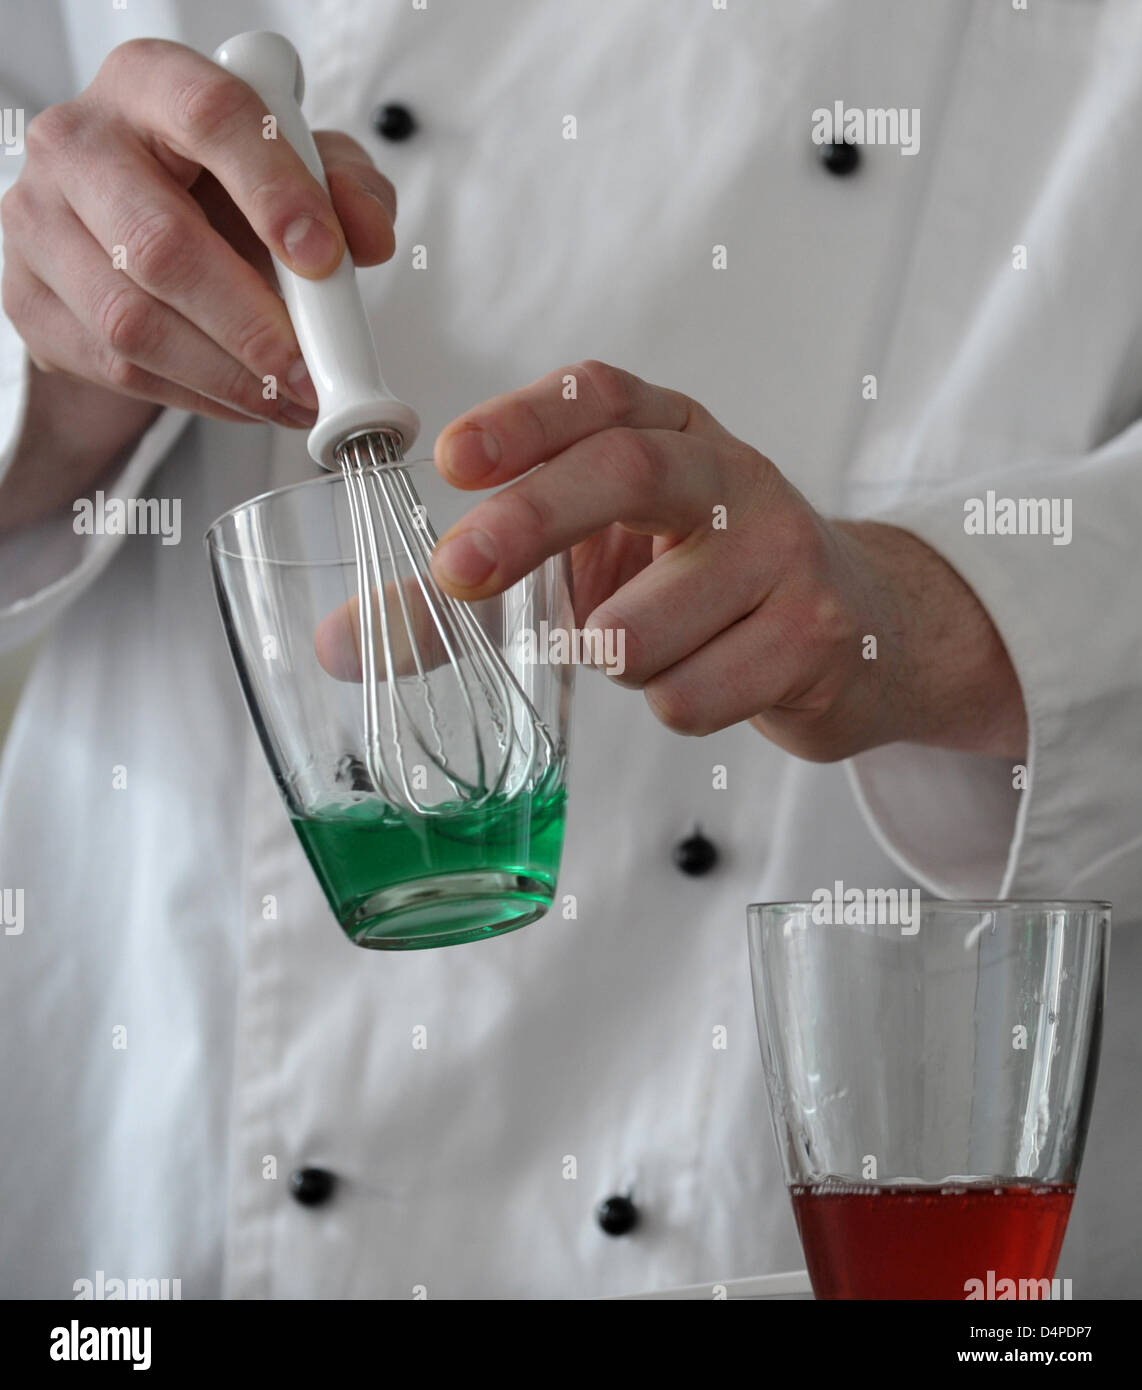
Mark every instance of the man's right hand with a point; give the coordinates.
(135, 244)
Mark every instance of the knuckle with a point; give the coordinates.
(10, 299)
(615, 645)
(207, 105)
(627, 453)
(339, 147)
(123, 318)
(616, 390)
(278, 192)
(674, 709)
(123, 375)
(156, 250)
(528, 422)
(53, 129)
(370, 182)
(15, 209)
(525, 513)
(15, 297)
(239, 389)
(695, 418)
(132, 53)
(258, 343)
(342, 155)
(829, 619)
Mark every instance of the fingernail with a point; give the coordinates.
(310, 244)
(466, 560)
(472, 454)
(300, 384)
(297, 415)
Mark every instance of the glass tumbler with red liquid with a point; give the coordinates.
(930, 1081)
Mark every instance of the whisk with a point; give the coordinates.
(448, 695)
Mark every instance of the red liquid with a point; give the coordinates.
(927, 1242)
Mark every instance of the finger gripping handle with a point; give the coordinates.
(328, 315)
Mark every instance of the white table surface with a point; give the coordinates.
(795, 1284)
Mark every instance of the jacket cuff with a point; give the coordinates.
(959, 823)
(45, 566)
(15, 382)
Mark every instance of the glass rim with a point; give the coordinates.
(958, 904)
(323, 479)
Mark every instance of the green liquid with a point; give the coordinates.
(398, 881)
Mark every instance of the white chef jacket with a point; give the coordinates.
(257, 1046)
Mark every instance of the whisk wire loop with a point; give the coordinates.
(390, 526)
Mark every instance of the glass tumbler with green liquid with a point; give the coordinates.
(396, 878)
(457, 876)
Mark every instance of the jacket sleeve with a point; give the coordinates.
(44, 567)
(1070, 612)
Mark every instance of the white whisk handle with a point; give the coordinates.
(327, 315)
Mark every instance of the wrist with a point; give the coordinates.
(74, 434)
(943, 675)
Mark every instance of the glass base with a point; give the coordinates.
(446, 910)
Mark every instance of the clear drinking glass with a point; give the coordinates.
(286, 582)
(930, 1084)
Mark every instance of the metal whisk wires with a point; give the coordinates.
(421, 649)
